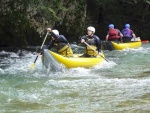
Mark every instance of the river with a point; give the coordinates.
(122, 85)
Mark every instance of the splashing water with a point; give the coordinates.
(120, 85)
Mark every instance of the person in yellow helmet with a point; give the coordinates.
(61, 43)
(93, 41)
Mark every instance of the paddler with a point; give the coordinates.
(113, 34)
(94, 45)
(60, 42)
(128, 34)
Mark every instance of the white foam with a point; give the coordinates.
(3, 51)
(1, 71)
(78, 71)
(104, 65)
(14, 55)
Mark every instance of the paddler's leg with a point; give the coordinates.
(69, 52)
(84, 54)
(115, 40)
(90, 52)
(110, 47)
(126, 40)
(66, 51)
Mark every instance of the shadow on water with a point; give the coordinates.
(143, 74)
(138, 104)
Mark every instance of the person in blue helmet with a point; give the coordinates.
(113, 34)
(128, 34)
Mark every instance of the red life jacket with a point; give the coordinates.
(113, 33)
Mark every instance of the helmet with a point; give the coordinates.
(55, 31)
(111, 26)
(127, 26)
(90, 28)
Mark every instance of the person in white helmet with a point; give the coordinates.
(61, 43)
(93, 41)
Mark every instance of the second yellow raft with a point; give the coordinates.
(122, 46)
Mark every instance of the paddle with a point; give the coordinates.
(32, 66)
(95, 51)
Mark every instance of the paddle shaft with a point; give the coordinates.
(41, 48)
(95, 51)
(44, 40)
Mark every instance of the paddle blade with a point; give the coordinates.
(32, 66)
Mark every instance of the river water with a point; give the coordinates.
(121, 85)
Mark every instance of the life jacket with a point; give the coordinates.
(113, 33)
(88, 51)
(62, 46)
(66, 51)
(127, 33)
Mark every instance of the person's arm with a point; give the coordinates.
(134, 36)
(50, 45)
(121, 35)
(107, 36)
(83, 39)
(61, 38)
(98, 44)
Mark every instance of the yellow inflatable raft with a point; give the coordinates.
(134, 44)
(122, 46)
(71, 62)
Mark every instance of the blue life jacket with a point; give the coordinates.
(127, 33)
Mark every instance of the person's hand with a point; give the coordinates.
(100, 53)
(82, 40)
(39, 50)
(49, 29)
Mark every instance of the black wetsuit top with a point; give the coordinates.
(59, 39)
(96, 41)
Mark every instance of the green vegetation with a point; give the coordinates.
(23, 22)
